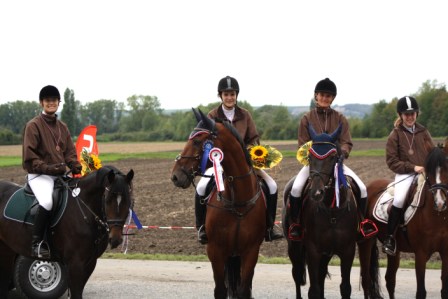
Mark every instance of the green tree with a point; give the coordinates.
(69, 112)
(142, 109)
(15, 115)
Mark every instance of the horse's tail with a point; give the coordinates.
(233, 275)
(375, 273)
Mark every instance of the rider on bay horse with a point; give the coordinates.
(240, 118)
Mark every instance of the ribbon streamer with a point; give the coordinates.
(216, 156)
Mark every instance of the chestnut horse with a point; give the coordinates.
(97, 207)
(329, 220)
(426, 233)
(235, 221)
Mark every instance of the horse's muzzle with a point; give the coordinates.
(180, 180)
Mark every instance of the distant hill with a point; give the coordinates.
(349, 110)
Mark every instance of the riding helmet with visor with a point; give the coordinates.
(49, 91)
(228, 83)
(326, 85)
(407, 105)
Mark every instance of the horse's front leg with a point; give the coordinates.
(444, 291)
(313, 261)
(248, 263)
(218, 266)
(393, 263)
(420, 271)
(346, 268)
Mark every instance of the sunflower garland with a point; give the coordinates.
(89, 162)
(265, 157)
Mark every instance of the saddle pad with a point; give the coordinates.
(385, 200)
(21, 207)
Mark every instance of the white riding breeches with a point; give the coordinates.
(402, 184)
(304, 173)
(42, 186)
(202, 184)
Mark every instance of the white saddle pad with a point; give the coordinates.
(380, 210)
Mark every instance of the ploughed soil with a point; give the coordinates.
(160, 205)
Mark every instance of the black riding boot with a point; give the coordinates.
(39, 249)
(367, 227)
(389, 246)
(200, 210)
(272, 232)
(295, 231)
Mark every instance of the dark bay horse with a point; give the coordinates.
(426, 233)
(97, 207)
(235, 221)
(329, 219)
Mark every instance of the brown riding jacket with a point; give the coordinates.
(398, 158)
(325, 121)
(243, 123)
(39, 144)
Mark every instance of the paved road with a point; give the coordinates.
(117, 279)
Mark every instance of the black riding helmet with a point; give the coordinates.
(228, 83)
(326, 85)
(49, 91)
(407, 104)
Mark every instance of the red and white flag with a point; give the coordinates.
(87, 140)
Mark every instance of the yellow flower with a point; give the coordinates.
(264, 156)
(89, 162)
(302, 153)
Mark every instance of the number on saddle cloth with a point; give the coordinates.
(22, 205)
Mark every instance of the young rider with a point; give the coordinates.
(241, 119)
(324, 120)
(407, 146)
(47, 149)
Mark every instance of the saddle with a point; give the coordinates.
(22, 205)
(412, 202)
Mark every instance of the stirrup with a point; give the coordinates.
(295, 227)
(41, 250)
(388, 243)
(272, 235)
(368, 228)
(202, 235)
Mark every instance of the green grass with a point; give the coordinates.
(406, 264)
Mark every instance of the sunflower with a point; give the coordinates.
(89, 162)
(264, 156)
(302, 153)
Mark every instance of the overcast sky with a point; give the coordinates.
(178, 50)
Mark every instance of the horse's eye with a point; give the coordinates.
(197, 142)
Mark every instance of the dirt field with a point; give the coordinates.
(159, 203)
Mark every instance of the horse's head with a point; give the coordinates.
(193, 158)
(117, 201)
(436, 169)
(323, 156)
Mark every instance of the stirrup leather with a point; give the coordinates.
(41, 250)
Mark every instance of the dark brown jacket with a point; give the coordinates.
(326, 120)
(39, 144)
(243, 123)
(397, 148)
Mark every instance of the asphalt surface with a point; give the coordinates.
(117, 279)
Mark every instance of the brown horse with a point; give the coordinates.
(331, 226)
(425, 234)
(235, 221)
(96, 210)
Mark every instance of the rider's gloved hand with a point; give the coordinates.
(76, 168)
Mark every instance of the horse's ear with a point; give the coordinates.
(130, 175)
(335, 135)
(111, 176)
(208, 123)
(312, 132)
(196, 114)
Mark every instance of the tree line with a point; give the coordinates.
(141, 118)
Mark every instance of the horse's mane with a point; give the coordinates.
(436, 158)
(238, 137)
